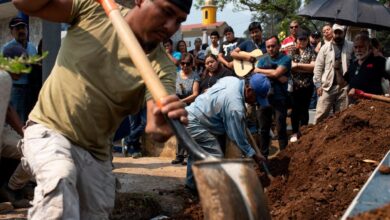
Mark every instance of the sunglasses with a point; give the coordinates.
(185, 63)
(294, 27)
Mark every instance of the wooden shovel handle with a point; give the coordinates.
(371, 96)
(135, 51)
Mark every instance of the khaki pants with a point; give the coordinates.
(9, 138)
(71, 184)
(335, 98)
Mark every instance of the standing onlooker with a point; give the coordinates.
(303, 59)
(214, 46)
(367, 71)
(256, 42)
(315, 40)
(35, 81)
(331, 64)
(276, 66)
(198, 53)
(227, 47)
(288, 43)
(174, 56)
(19, 93)
(187, 89)
(214, 71)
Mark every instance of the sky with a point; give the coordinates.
(238, 20)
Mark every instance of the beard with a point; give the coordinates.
(338, 40)
(362, 55)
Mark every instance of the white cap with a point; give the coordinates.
(339, 27)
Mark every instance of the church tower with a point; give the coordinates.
(209, 12)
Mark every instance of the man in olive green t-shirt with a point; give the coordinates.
(91, 88)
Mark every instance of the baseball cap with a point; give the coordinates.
(16, 21)
(338, 27)
(184, 5)
(261, 85)
(315, 34)
(14, 51)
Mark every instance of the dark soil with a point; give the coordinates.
(318, 176)
(325, 168)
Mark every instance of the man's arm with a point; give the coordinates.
(51, 10)
(14, 121)
(225, 62)
(272, 73)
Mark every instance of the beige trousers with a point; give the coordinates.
(9, 138)
(334, 99)
(71, 184)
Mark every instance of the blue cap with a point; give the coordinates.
(261, 85)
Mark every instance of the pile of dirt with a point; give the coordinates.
(318, 176)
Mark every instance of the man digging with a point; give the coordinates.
(91, 88)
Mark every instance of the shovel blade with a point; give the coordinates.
(230, 189)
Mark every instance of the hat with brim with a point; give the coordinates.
(261, 85)
(16, 22)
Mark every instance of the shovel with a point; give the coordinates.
(256, 147)
(362, 94)
(228, 189)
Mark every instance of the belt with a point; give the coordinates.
(29, 123)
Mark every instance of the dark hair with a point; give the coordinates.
(255, 25)
(205, 46)
(274, 36)
(168, 41)
(228, 29)
(212, 56)
(178, 43)
(375, 43)
(215, 33)
(189, 56)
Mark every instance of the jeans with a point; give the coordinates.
(137, 128)
(19, 101)
(206, 140)
(279, 108)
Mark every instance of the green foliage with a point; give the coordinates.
(20, 65)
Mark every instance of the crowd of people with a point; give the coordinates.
(69, 130)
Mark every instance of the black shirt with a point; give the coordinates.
(368, 76)
(207, 81)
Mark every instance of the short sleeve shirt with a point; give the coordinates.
(249, 46)
(184, 86)
(266, 62)
(94, 84)
(227, 47)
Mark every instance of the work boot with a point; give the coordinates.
(14, 197)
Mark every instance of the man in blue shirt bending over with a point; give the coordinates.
(221, 110)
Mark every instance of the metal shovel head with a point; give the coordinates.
(230, 190)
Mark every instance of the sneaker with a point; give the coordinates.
(5, 207)
(294, 138)
(136, 155)
(177, 160)
(184, 163)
